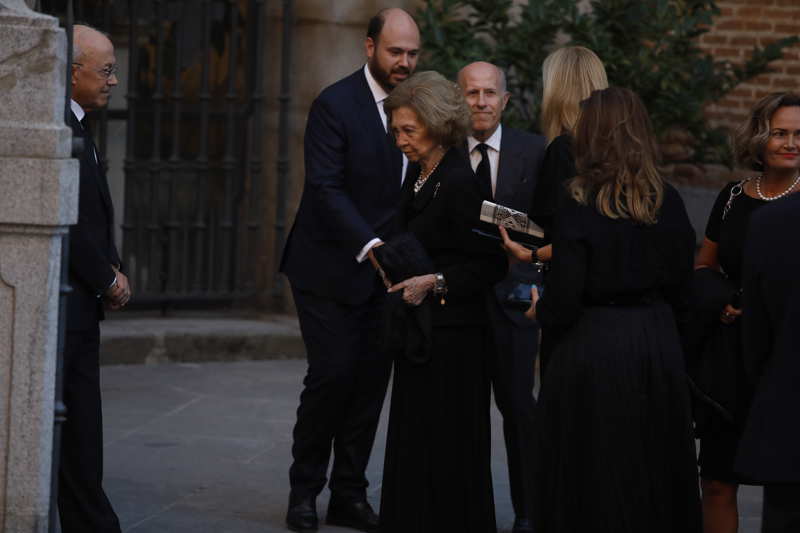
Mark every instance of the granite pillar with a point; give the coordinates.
(38, 200)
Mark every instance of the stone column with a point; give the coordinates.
(38, 199)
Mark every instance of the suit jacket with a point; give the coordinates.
(352, 187)
(769, 450)
(91, 241)
(441, 216)
(521, 156)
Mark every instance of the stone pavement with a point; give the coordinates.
(205, 448)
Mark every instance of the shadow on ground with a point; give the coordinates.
(205, 448)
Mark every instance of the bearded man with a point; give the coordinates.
(352, 188)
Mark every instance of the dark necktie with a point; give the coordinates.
(484, 170)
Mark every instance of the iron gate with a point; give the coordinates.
(194, 180)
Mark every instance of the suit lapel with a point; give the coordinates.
(509, 168)
(88, 157)
(93, 158)
(371, 119)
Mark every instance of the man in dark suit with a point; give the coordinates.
(506, 162)
(352, 187)
(769, 450)
(96, 280)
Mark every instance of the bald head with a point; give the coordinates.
(86, 38)
(485, 70)
(484, 86)
(93, 65)
(392, 46)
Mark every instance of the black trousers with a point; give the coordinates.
(82, 504)
(781, 509)
(343, 394)
(512, 373)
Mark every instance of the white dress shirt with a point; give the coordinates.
(493, 152)
(379, 94)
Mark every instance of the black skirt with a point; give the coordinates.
(614, 450)
(437, 470)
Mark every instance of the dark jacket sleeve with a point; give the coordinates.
(487, 264)
(558, 166)
(562, 303)
(325, 147)
(87, 260)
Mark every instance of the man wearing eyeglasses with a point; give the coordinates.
(95, 274)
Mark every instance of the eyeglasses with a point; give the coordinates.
(105, 72)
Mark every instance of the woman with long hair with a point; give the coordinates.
(569, 75)
(615, 451)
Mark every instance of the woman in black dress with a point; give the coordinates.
(437, 474)
(569, 75)
(760, 145)
(615, 452)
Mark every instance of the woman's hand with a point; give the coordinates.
(531, 312)
(415, 289)
(729, 314)
(515, 251)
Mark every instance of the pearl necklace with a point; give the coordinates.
(781, 195)
(422, 179)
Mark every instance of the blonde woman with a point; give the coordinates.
(615, 450)
(569, 75)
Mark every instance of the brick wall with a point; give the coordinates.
(742, 24)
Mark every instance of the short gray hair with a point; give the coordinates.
(753, 134)
(439, 105)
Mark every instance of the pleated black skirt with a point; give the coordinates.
(437, 470)
(614, 449)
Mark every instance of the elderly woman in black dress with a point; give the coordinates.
(766, 143)
(437, 474)
(615, 452)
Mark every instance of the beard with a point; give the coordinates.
(384, 76)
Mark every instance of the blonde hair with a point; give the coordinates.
(569, 75)
(753, 134)
(438, 102)
(616, 156)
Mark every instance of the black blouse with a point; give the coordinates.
(730, 233)
(598, 260)
(442, 216)
(558, 166)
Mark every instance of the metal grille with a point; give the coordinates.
(194, 180)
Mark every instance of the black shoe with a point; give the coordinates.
(353, 514)
(302, 515)
(522, 525)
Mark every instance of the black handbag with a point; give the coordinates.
(407, 330)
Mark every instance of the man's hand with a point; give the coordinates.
(377, 265)
(119, 294)
(729, 314)
(415, 289)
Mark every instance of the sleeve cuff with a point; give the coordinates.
(367, 247)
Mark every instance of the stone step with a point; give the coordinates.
(154, 340)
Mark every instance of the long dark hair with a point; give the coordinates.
(616, 157)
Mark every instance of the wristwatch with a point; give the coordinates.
(440, 287)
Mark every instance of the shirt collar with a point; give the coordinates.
(492, 142)
(378, 93)
(77, 110)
